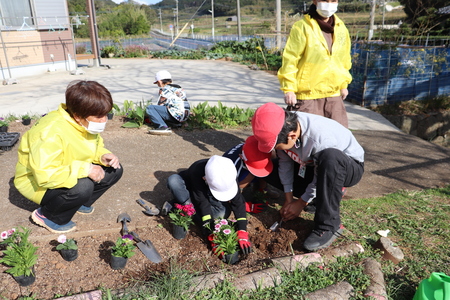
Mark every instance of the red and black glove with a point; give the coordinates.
(214, 246)
(244, 242)
(254, 208)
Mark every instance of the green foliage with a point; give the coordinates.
(135, 114)
(135, 51)
(124, 247)
(204, 116)
(66, 244)
(182, 215)
(20, 254)
(225, 237)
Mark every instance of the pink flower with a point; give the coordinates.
(223, 222)
(227, 231)
(11, 231)
(217, 226)
(62, 239)
(4, 235)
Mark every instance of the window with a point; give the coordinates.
(16, 14)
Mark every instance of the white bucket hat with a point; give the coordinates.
(220, 175)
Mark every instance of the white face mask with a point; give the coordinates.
(95, 127)
(325, 9)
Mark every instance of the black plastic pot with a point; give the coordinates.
(26, 121)
(23, 280)
(3, 128)
(231, 259)
(118, 262)
(69, 254)
(110, 116)
(178, 232)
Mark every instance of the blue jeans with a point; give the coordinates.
(159, 115)
(177, 186)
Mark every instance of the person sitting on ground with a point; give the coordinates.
(311, 140)
(172, 105)
(210, 184)
(256, 168)
(62, 164)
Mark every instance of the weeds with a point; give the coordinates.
(419, 224)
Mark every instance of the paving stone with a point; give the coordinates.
(390, 252)
(208, 281)
(291, 263)
(377, 287)
(260, 279)
(339, 291)
(94, 295)
(330, 254)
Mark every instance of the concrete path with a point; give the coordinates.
(132, 79)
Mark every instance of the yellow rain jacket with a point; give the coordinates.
(309, 69)
(54, 153)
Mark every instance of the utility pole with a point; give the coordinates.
(278, 12)
(372, 20)
(176, 25)
(212, 18)
(160, 19)
(238, 20)
(93, 32)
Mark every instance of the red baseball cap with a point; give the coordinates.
(267, 124)
(257, 162)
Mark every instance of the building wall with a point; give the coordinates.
(45, 45)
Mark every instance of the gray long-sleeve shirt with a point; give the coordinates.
(318, 133)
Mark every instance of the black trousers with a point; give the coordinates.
(60, 205)
(335, 170)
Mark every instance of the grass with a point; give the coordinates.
(419, 222)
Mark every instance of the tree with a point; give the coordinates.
(422, 15)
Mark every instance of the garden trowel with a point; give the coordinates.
(147, 248)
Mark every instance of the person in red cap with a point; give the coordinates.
(303, 141)
(254, 167)
(211, 185)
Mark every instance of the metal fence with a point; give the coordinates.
(384, 74)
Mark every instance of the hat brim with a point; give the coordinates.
(261, 172)
(226, 195)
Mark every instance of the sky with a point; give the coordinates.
(148, 2)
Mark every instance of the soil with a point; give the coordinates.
(91, 270)
(148, 161)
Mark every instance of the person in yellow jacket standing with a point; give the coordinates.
(316, 61)
(63, 165)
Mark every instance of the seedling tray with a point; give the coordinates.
(8, 139)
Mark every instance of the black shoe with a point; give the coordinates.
(311, 207)
(320, 239)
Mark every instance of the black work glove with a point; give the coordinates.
(207, 227)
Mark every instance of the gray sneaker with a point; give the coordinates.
(164, 130)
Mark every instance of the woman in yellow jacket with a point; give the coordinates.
(63, 165)
(316, 61)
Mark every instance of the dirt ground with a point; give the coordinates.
(148, 161)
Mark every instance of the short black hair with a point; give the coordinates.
(290, 124)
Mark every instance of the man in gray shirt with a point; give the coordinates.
(317, 158)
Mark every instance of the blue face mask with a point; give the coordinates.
(95, 127)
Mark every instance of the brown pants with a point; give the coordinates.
(331, 107)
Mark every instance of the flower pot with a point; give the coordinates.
(26, 121)
(110, 116)
(69, 254)
(178, 232)
(231, 259)
(23, 280)
(118, 262)
(3, 128)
